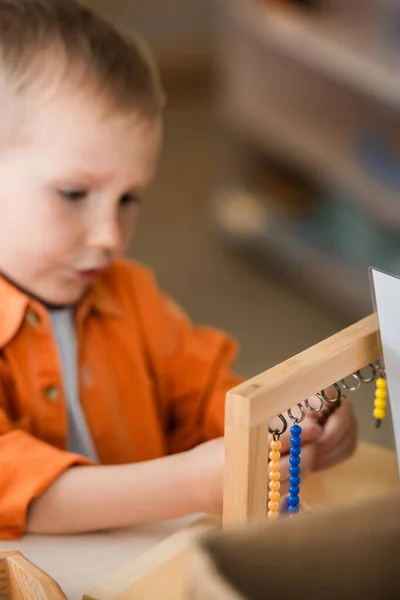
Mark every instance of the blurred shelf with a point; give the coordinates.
(341, 43)
(325, 151)
(266, 237)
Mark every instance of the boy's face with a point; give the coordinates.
(68, 192)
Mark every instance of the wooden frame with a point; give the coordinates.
(252, 405)
(163, 571)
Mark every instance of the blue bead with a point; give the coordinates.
(293, 500)
(294, 490)
(294, 479)
(295, 441)
(294, 470)
(293, 510)
(295, 430)
(295, 461)
(295, 450)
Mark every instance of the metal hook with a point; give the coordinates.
(338, 395)
(277, 432)
(367, 379)
(313, 409)
(353, 388)
(298, 420)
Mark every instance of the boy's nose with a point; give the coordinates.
(105, 234)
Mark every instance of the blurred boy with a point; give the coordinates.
(112, 403)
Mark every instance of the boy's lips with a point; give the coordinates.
(89, 273)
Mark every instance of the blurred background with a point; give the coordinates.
(280, 179)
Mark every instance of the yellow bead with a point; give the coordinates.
(273, 505)
(274, 465)
(276, 445)
(273, 515)
(274, 455)
(379, 414)
(274, 485)
(380, 404)
(274, 496)
(274, 476)
(381, 394)
(381, 383)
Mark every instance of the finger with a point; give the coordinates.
(340, 424)
(335, 457)
(311, 433)
(337, 454)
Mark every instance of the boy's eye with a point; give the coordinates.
(77, 194)
(128, 199)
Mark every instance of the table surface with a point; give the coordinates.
(78, 563)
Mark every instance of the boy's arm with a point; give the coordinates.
(108, 497)
(47, 490)
(28, 466)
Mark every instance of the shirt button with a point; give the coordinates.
(52, 393)
(32, 318)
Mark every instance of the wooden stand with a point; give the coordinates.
(163, 572)
(21, 580)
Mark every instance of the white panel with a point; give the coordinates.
(387, 303)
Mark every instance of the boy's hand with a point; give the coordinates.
(339, 437)
(322, 447)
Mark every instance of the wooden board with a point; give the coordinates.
(159, 573)
(22, 580)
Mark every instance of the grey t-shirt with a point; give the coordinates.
(79, 438)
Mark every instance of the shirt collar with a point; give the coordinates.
(102, 298)
(15, 304)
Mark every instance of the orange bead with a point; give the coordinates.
(274, 465)
(273, 505)
(273, 515)
(274, 476)
(274, 455)
(274, 485)
(274, 496)
(276, 445)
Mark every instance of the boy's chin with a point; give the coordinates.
(63, 297)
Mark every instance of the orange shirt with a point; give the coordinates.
(150, 383)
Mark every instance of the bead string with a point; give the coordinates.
(294, 469)
(274, 477)
(381, 394)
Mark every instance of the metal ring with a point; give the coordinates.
(355, 387)
(276, 432)
(367, 379)
(316, 410)
(297, 419)
(338, 394)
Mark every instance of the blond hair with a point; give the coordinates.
(119, 68)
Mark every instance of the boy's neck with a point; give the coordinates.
(48, 305)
